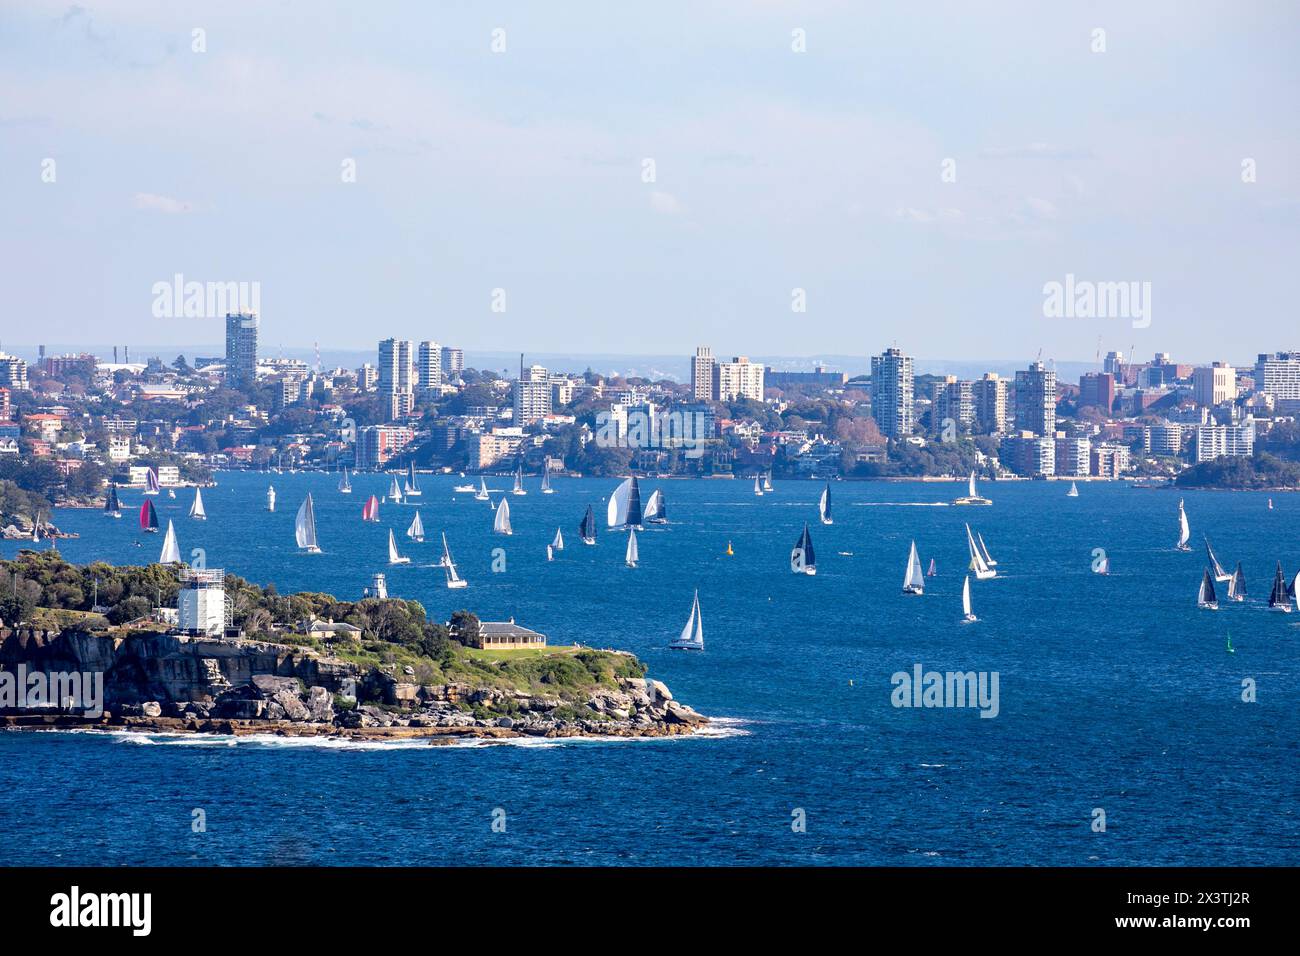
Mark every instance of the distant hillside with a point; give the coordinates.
(1264, 472)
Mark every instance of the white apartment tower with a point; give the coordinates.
(702, 374)
(739, 378)
(428, 366)
(891, 393)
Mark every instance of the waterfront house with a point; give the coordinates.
(506, 635)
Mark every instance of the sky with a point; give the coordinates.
(920, 171)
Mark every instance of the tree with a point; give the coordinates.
(463, 627)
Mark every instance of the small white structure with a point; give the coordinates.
(378, 587)
(201, 605)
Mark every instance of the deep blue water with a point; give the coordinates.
(1115, 692)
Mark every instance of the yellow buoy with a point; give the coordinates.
(729, 551)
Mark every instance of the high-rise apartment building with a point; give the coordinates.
(739, 378)
(241, 349)
(891, 393)
(396, 366)
(1278, 375)
(1035, 398)
(702, 374)
(954, 401)
(532, 394)
(453, 363)
(428, 366)
(990, 397)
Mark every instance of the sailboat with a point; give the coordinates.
(395, 492)
(148, 517)
(587, 528)
(1205, 597)
(36, 528)
(824, 505)
(632, 555)
(1220, 575)
(978, 563)
(1237, 585)
(984, 550)
(112, 507)
(370, 510)
(624, 509)
(150, 482)
(393, 556)
(304, 527)
(196, 509)
(171, 551)
(966, 614)
(345, 483)
(416, 531)
(412, 489)
(558, 542)
(972, 497)
(1073, 492)
(550, 553)
(692, 637)
(758, 488)
(518, 489)
(454, 580)
(1270, 504)
(802, 559)
(1184, 532)
(655, 510)
(270, 497)
(482, 490)
(546, 482)
(931, 571)
(501, 520)
(913, 580)
(171, 493)
(767, 482)
(1279, 598)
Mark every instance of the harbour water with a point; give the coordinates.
(1116, 692)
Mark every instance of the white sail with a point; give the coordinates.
(519, 482)
(416, 531)
(270, 498)
(692, 636)
(653, 506)
(1184, 531)
(965, 599)
(977, 562)
(758, 489)
(345, 483)
(550, 553)
(1073, 492)
(394, 491)
(171, 551)
(973, 492)
(767, 482)
(501, 522)
(914, 579)
(1205, 596)
(824, 505)
(196, 509)
(482, 490)
(393, 556)
(304, 527)
(625, 505)
(984, 551)
(632, 555)
(412, 488)
(454, 580)
(558, 543)
(546, 481)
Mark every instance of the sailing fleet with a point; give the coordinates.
(627, 511)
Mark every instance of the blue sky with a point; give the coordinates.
(774, 170)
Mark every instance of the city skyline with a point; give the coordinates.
(821, 173)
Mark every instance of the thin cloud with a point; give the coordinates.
(1036, 151)
(164, 204)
